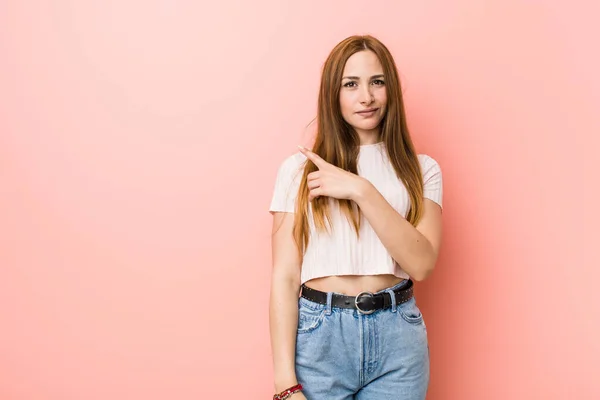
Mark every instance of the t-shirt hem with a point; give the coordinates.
(397, 274)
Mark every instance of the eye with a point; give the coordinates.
(379, 82)
(348, 84)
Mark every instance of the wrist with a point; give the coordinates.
(361, 190)
(285, 383)
(287, 393)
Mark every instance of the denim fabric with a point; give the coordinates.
(342, 354)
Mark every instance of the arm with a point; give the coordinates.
(415, 249)
(283, 307)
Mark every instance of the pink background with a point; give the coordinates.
(139, 142)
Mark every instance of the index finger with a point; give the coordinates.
(319, 162)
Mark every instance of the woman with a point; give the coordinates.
(356, 221)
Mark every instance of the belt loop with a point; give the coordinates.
(393, 298)
(329, 297)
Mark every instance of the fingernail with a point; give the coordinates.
(301, 147)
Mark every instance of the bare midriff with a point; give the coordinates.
(353, 284)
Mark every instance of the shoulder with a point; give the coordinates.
(430, 168)
(287, 183)
(292, 162)
(427, 161)
(291, 166)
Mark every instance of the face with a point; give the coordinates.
(363, 97)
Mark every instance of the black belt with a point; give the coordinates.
(364, 302)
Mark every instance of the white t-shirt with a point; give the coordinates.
(341, 253)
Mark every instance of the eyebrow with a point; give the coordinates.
(357, 78)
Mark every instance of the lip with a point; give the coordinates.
(367, 111)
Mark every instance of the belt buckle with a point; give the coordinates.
(369, 294)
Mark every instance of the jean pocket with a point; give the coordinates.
(309, 318)
(410, 312)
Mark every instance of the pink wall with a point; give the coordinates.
(138, 147)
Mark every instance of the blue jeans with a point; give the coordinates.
(343, 355)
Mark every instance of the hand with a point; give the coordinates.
(330, 180)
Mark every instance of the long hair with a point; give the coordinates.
(338, 143)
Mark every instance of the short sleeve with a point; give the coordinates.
(432, 179)
(287, 183)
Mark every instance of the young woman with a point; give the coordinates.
(356, 221)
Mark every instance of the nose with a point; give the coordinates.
(366, 97)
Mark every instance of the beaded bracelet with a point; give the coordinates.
(287, 392)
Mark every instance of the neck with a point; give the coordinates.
(370, 137)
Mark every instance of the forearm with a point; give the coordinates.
(409, 247)
(283, 320)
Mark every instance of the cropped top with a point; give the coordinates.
(341, 252)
